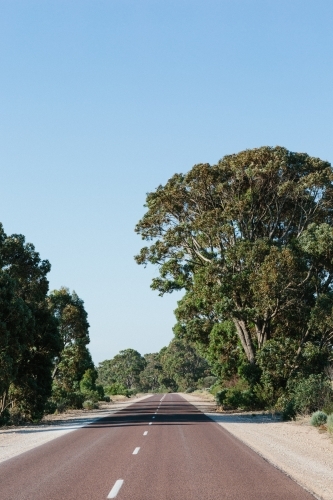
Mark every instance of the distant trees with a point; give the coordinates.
(250, 241)
(176, 367)
(182, 366)
(121, 374)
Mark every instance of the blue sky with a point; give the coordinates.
(103, 100)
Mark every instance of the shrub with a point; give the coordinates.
(190, 389)
(330, 423)
(310, 394)
(328, 408)
(117, 389)
(90, 405)
(318, 418)
(220, 396)
(206, 382)
(237, 399)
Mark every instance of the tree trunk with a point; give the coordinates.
(245, 339)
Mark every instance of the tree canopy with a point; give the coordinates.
(43, 337)
(249, 240)
(28, 332)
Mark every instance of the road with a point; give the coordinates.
(161, 448)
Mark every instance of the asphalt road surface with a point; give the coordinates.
(161, 448)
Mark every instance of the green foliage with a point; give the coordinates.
(74, 374)
(117, 389)
(182, 366)
(329, 423)
(177, 367)
(289, 410)
(237, 397)
(29, 339)
(318, 418)
(124, 369)
(250, 242)
(89, 388)
(90, 405)
(151, 374)
(250, 372)
(305, 396)
(206, 382)
(310, 394)
(328, 407)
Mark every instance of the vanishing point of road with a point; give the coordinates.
(161, 448)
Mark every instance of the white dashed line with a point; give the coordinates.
(115, 490)
(145, 433)
(136, 451)
(153, 416)
(150, 423)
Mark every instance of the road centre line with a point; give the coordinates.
(136, 451)
(153, 416)
(116, 487)
(145, 433)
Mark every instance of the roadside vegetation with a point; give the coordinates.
(249, 241)
(45, 365)
(177, 367)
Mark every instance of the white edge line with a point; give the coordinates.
(136, 451)
(116, 487)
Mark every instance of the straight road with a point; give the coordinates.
(161, 448)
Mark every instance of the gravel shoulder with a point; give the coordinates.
(19, 439)
(296, 448)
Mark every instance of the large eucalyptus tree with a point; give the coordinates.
(250, 240)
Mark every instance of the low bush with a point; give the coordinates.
(288, 410)
(90, 405)
(220, 396)
(117, 389)
(310, 394)
(329, 423)
(318, 418)
(328, 408)
(234, 398)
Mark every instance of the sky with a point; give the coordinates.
(104, 100)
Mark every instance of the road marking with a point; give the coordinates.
(153, 416)
(136, 451)
(145, 433)
(116, 487)
(150, 423)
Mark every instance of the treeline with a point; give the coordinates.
(44, 361)
(177, 367)
(250, 242)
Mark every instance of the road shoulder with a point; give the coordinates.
(296, 448)
(19, 439)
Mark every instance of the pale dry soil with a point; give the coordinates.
(296, 448)
(15, 440)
